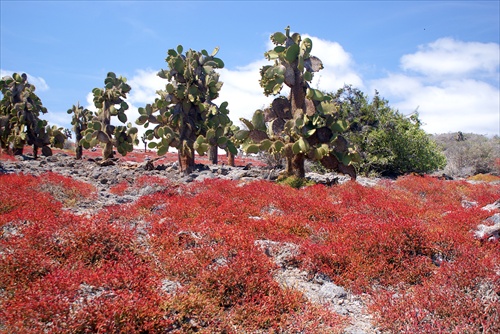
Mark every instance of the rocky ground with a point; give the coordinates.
(104, 175)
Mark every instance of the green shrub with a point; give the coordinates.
(388, 142)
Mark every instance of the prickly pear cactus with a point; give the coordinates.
(219, 129)
(184, 116)
(20, 124)
(303, 125)
(50, 136)
(110, 101)
(81, 118)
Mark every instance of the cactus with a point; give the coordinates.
(109, 102)
(184, 115)
(218, 134)
(20, 124)
(50, 135)
(144, 140)
(81, 118)
(303, 125)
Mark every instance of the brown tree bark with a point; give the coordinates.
(18, 150)
(230, 159)
(212, 155)
(186, 158)
(295, 165)
(298, 168)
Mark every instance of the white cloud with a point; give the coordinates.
(449, 90)
(144, 85)
(338, 66)
(38, 82)
(397, 85)
(458, 105)
(447, 57)
(59, 119)
(242, 91)
(90, 102)
(447, 80)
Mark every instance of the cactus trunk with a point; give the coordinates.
(295, 165)
(79, 152)
(297, 97)
(187, 138)
(18, 150)
(107, 151)
(79, 148)
(212, 155)
(298, 168)
(230, 159)
(5, 149)
(186, 158)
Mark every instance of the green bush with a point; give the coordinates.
(400, 147)
(388, 142)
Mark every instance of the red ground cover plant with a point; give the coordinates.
(184, 259)
(461, 297)
(207, 245)
(120, 188)
(130, 186)
(65, 189)
(47, 255)
(33, 197)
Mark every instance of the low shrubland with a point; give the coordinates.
(184, 258)
(469, 154)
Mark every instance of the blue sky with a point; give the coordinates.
(441, 57)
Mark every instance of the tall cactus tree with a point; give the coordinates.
(81, 118)
(184, 115)
(219, 130)
(20, 124)
(301, 126)
(110, 101)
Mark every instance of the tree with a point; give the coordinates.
(388, 142)
(301, 126)
(110, 101)
(184, 115)
(20, 124)
(80, 120)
